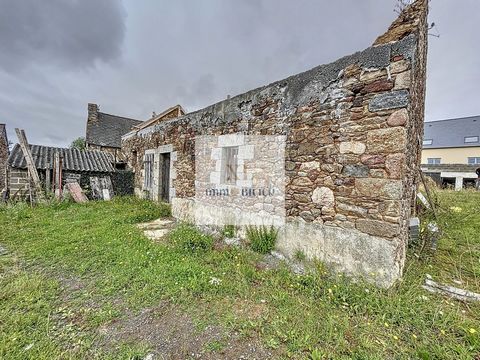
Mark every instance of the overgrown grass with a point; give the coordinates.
(262, 238)
(318, 315)
(187, 238)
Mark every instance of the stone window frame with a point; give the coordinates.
(157, 152)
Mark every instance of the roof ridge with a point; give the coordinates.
(118, 116)
(459, 118)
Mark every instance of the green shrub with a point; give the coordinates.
(189, 239)
(262, 238)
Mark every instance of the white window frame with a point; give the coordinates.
(471, 139)
(434, 161)
(476, 160)
(427, 142)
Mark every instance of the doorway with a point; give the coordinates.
(165, 177)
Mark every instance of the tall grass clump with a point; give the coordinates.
(262, 238)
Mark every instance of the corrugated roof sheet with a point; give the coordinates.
(108, 130)
(73, 159)
(452, 132)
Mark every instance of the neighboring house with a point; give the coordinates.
(451, 151)
(170, 113)
(78, 165)
(349, 169)
(4, 152)
(104, 132)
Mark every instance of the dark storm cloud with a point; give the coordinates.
(70, 33)
(196, 52)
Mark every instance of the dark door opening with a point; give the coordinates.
(165, 178)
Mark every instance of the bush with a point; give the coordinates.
(262, 239)
(189, 239)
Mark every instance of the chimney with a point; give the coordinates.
(92, 113)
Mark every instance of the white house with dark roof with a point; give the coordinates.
(451, 150)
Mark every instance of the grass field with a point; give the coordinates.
(81, 281)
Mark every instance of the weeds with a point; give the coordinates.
(229, 231)
(262, 239)
(300, 255)
(188, 238)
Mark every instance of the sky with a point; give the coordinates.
(134, 57)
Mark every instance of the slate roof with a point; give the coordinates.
(108, 130)
(73, 159)
(451, 133)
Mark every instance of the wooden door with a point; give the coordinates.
(165, 174)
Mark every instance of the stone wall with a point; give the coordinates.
(3, 155)
(353, 130)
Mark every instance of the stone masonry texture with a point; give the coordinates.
(353, 129)
(3, 155)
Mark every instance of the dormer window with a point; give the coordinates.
(471, 139)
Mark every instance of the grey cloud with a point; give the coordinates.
(70, 33)
(197, 52)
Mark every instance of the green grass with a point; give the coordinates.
(316, 316)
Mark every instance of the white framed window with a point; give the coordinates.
(473, 160)
(228, 173)
(434, 161)
(471, 139)
(427, 142)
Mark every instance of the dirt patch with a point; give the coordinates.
(172, 334)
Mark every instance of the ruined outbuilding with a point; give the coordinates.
(353, 133)
(77, 166)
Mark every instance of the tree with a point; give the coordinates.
(78, 143)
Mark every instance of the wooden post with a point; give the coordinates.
(47, 178)
(27, 154)
(57, 171)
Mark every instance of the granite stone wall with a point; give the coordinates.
(353, 130)
(3, 155)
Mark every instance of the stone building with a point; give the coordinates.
(104, 131)
(3, 155)
(353, 131)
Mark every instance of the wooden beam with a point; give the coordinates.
(48, 180)
(57, 174)
(27, 154)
